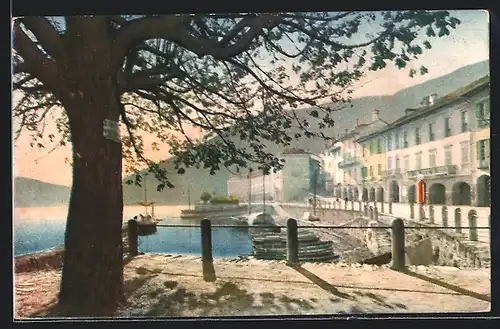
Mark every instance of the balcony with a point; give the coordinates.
(349, 160)
(393, 173)
(483, 164)
(434, 171)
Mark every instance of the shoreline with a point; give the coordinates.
(172, 286)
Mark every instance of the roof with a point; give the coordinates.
(454, 96)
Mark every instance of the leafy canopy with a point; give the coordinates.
(232, 76)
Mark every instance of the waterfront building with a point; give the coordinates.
(446, 141)
(373, 159)
(330, 160)
(255, 186)
(300, 173)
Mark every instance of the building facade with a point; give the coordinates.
(445, 142)
(255, 187)
(300, 174)
(330, 159)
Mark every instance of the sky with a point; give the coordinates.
(468, 44)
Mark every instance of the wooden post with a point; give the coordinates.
(390, 207)
(431, 214)
(472, 225)
(458, 220)
(382, 205)
(366, 210)
(444, 216)
(360, 206)
(132, 238)
(398, 245)
(375, 213)
(206, 250)
(371, 212)
(292, 242)
(412, 211)
(206, 240)
(421, 214)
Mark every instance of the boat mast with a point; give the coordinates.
(264, 191)
(145, 194)
(249, 191)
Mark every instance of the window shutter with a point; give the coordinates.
(478, 113)
(487, 148)
(478, 150)
(487, 107)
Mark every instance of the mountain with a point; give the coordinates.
(30, 192)
(391, 107)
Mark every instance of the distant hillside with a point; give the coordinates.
(30, 192)
(391, 108)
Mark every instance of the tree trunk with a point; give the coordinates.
(92, 275)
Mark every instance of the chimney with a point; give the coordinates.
(375, 115)
(432, 98)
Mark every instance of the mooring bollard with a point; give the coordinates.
(421, 214)
(458, 220)
(292, 242)
(472, 225)
(444, 216)
(371, 212)
(375, 213)
(206, 250)
(132, 238)
(390, 207)
(398, 245)
(431, 214)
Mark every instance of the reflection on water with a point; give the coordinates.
(226, 242)
(38, 229)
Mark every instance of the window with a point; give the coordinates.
(418, 160)
(396, 141)
(483, 149)
(389, 143)
(431, 132)
(447, 155)
(406, 163)
(482, 114)
(379, 169)
(371, 171)
(417, 136)
(363, 172)
(389, 163)
(405, 139)
(464, 152)
(379, 146)
(464, 121)
(432, 158)
(447, 127)
(397, 165)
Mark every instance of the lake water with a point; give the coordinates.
(38, 229)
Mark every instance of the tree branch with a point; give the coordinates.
(173, 28)
(36, 63)
(45, 33)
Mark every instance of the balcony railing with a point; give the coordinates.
(391, 173)
(348, 161)
(483, 163)
(434, 171)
